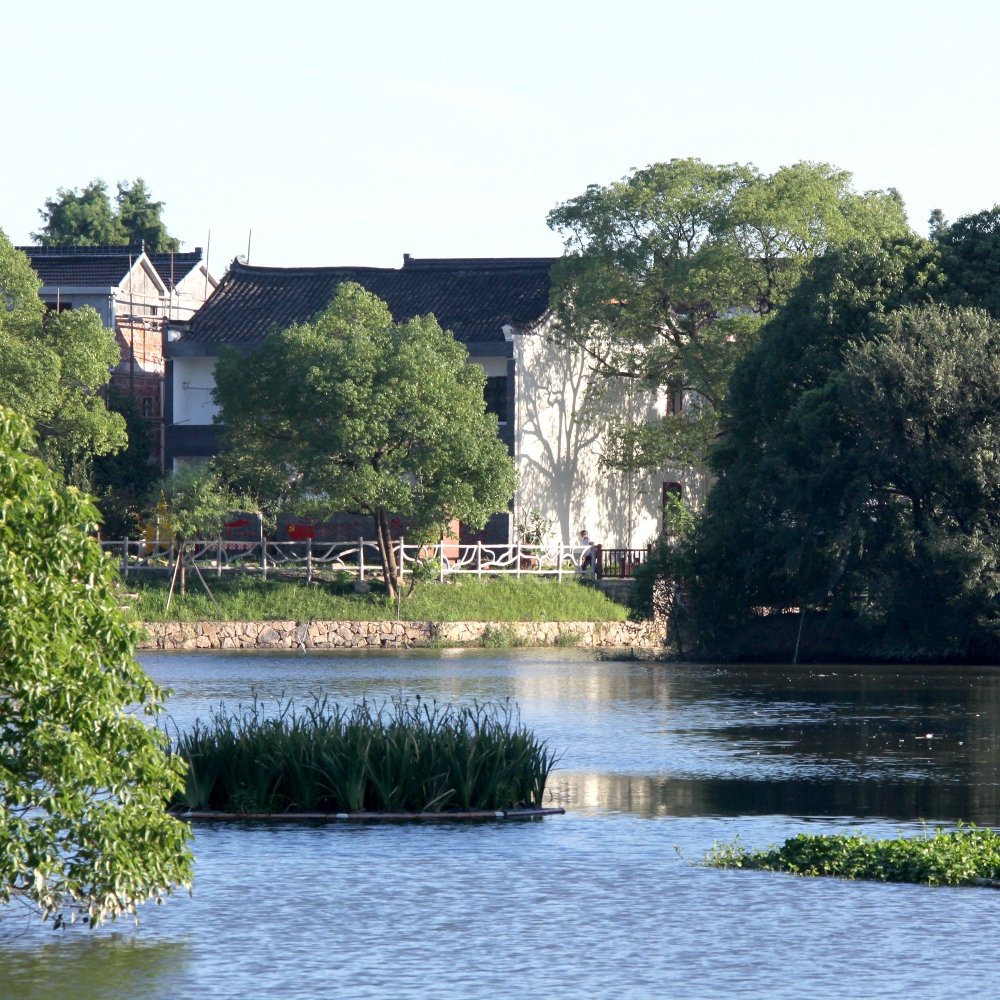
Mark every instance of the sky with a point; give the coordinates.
(355, 133)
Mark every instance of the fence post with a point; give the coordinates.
(479, 559)
(170, 555)
(441, 560)
(560, 560)
(597, 563)
(218, 559)
(361, 559)
(517, 556)
(402, 563)
(309, 560)
(263, 553)
(125, 558)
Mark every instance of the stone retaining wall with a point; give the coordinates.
(329, 635)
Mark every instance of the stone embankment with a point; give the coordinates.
(345, 634)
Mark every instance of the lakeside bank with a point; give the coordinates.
(290, 634)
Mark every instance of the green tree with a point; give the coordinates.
(669, 273)
(84, 784)
(970, 252)
(123, 480)
(780, 529)
(88, 218)
(922, 407)
(52, 368)
(197, 502)
(79, 218)
(140, 218)
(354, 412)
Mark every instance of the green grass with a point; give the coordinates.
(957, 857)
(403, 757)
(248, 598)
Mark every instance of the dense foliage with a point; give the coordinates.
(52, 369)
(669, 273)
(354, 412)
(410, 757)
(966, 856)
(123, 481)
(857, 474)
(88, 218)
(83, 783)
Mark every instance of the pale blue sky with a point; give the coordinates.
(352, 133)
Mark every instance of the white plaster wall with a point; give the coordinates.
(194, 380)
(494, 366)
(562, 428)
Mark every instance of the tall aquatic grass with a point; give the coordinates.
(397, 757)
(966, 856)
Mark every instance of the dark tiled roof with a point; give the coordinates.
(95, 267)
(183, 264)
(474, 298)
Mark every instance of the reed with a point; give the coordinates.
(400, 756)
(964, 856)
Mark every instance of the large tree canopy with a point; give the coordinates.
(858, 471)
(84, 784)
(52, 368)
(771, 534)
(669, 273)
(354, 412)
(88, 218)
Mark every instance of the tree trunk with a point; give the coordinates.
(389, 569)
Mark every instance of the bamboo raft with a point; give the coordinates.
(368, 817)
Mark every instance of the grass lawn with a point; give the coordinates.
(248, 598)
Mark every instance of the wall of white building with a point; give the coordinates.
(563, 415)
(194, 380)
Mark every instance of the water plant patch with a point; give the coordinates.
(962, 856)
(401, 757)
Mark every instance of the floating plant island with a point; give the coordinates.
(401, 760)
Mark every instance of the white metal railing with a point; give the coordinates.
(359, 558)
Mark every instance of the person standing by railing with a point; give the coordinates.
(590, 548)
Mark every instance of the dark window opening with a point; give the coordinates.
(496, 397)
(62, 306)
(670, 490)
(675, 399)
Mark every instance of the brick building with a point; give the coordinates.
(135, 293)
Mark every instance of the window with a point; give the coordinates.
(147, 406)
(62, 307)
(675, 399)
(496, 397)
(670, 490)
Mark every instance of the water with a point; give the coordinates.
(608, 901)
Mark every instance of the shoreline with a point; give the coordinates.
(289, 634)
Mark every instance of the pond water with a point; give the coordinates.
(610, 900)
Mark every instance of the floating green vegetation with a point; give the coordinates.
(398, 757)
(966, 856)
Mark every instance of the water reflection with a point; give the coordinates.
(681, 739)
(596, 903)
(81, 963)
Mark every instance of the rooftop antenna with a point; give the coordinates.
(249, 234)
(208, 254)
